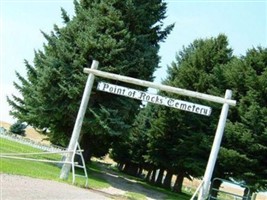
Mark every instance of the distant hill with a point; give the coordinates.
(31, 133)
(5, 125)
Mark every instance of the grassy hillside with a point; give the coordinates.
(30, 133)
(29, 168)
(41, 170)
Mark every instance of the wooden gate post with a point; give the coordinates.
(215, 148)
(78, 123)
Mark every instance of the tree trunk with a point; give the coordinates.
(120, 166)
(254, 196)
(140, 171)
(246, 194)
(131, 169)
(160, 177)
(153, 177)
(168, 179)
(215, 187)
(87, 155)
(148, 175)
(179, 182)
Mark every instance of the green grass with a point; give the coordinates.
(52, 171)
(169, 194)
(135, 196)
(41, 169)
(23, 167)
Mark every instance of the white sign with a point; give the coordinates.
(153, 98)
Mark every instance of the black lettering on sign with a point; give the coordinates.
(153, 98)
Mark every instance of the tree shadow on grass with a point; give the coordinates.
(121, 185)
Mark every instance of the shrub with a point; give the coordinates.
(18, 128)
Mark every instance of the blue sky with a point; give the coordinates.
(244, 22)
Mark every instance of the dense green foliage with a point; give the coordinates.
(179, 142)
(173, 140)
(246, 131)
(124, 37)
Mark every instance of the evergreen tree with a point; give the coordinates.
(207, 66)
(18, 128)
(181, 141)
(245, 135)
(241, 154)
(123, 36)
(131, 149)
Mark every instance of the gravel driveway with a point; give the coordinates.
(14, 187)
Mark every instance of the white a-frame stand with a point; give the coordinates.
(78, 152)
(226, 101)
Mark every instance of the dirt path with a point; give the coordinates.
(14, 187)
(121, 185)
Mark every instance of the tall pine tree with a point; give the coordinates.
(124, 36)
(181, 141)
(245, 135)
